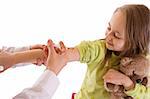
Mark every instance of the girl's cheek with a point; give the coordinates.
(121, 46)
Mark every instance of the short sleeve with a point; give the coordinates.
(14, 49)
(91, 51)
(139, 92)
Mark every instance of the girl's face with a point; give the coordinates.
(115, 36)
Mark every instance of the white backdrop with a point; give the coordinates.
(28, 22)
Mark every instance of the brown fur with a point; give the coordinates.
(137, 69)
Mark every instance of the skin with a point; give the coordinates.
(115, 40)
(115, 36)
(7, 60)
(56, 61)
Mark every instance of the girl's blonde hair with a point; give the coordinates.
(137, 30)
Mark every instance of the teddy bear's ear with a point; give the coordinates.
(111, 87)
(126, 61)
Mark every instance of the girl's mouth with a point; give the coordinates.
(109, 43)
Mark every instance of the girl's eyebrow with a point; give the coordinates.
(109, 24)
(115, 30)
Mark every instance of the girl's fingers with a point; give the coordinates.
(58, 51)
(62, 46)
(51, 47)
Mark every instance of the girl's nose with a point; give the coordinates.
(109, 36)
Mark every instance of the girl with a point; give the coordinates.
(128, 34)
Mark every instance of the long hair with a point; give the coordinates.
(137, 30)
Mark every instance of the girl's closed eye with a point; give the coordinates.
(108, 30)
(116, 35)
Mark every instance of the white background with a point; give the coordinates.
(28, 22)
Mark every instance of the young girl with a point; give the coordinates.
(128, 34)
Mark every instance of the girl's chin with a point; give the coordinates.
(109, 47)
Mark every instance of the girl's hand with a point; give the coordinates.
(61, 49)
(115, 77)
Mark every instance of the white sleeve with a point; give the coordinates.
(44, 87)
(14, 49)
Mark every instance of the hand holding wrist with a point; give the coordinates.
(56, 61)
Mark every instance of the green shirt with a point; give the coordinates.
(93, 53)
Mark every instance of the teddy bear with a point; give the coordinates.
(137, 68)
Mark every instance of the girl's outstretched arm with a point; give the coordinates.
(72, 52)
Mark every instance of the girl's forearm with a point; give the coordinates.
(29, 56)
(73, 54)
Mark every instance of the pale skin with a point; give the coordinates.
(56, 61)
(115, 40)
(50, 56)
(31, 56)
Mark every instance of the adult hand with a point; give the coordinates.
(42, 60)
(56, 61)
